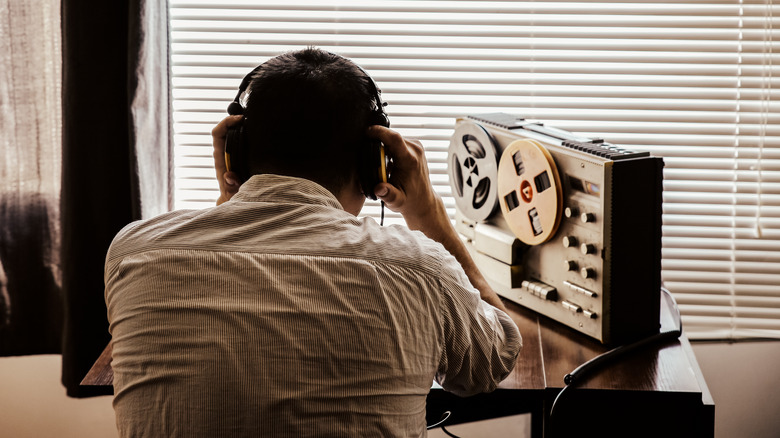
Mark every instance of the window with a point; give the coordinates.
(691, 81)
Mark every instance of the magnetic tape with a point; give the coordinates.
(562, 224)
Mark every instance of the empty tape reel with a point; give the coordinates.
(472, 167)
(529, 191)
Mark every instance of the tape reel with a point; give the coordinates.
(472, 168)
(530, 191)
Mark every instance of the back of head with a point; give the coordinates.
(306, 114)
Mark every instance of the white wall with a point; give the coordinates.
(33, 403)
(743, 379)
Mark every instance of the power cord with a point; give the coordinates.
(570, 379)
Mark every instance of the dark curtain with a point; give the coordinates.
(30, 296)
(116, 152)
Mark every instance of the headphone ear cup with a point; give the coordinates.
(236, 151)
(371, 167)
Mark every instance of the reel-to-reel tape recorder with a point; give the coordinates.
(564, 225)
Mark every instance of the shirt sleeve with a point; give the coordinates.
(481, 342)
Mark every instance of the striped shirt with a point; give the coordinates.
(280, 314)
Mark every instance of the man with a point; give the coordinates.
(279, 312)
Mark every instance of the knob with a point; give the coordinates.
(588, 217)
(569, 241)
(587, 248)
(570, 212)
(588, 273)
(570, 265)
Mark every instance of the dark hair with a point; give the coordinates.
(306, 114)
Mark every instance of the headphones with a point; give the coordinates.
(372, 162)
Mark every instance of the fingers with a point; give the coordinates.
(395, 144)
(409, 190)
(220, 131)
(393, 198)
(228, 186)
(228, 181)
(232, 180)
(408, 156)
(218, 135)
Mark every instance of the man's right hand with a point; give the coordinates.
(409, 190)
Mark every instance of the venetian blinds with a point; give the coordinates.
(691, 81)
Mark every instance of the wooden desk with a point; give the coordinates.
(656, 391)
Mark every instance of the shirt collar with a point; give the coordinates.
(282, 188)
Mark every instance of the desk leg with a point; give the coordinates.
(537, 422)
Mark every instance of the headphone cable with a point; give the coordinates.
(444, 417)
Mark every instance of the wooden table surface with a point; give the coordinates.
(657, 390)
(642, 393)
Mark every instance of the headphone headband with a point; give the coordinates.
(370, 158)
(378, 115)
(235, 108)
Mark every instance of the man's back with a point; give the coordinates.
(279, 314)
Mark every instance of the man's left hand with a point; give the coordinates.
(228, 181)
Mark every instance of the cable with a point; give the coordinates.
(382, 214)
(448, 432)
(582, 370)
(444, 417)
